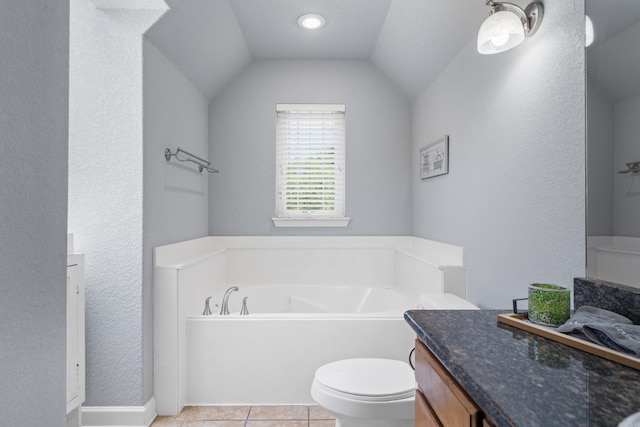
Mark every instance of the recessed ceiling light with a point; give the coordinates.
(311, 21)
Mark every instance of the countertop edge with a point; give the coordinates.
(473, 389)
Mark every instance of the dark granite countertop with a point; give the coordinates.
(520, 379)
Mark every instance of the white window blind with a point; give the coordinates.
(310, 160)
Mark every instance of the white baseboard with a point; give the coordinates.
(119, 416)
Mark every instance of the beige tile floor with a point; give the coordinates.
(248, 416)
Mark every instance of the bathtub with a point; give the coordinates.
(270, 355)
(312, 300)
(614, 259)
(272, 300)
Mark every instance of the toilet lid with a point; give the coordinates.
(371, 378)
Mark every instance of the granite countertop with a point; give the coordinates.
(520, 379)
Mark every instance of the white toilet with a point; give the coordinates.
(366, 392)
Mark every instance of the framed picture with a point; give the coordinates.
(434, 158)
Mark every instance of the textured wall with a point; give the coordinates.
(600, 166)
(242, 141)
(515, 194)
(175, 194)
(33, 209)
(105, 196)
(627, 149)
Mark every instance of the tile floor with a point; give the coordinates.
(248, 416)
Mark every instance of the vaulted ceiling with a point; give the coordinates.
(411, 41)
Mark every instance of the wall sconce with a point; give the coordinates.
(507, 26)
(588, 31)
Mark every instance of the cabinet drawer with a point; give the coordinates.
(424, 415)
(450, 403)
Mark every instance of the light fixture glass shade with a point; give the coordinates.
(588, 30)
(501, 31)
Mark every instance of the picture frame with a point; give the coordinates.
(434, 158)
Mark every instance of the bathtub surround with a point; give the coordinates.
(33, 208)
(270, 358)
(515, 194)
(190, 348)
(614, 259)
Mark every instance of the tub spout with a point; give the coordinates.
(224, 310)
(244, 310)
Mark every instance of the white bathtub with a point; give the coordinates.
(614, 259)
(270, 355)
(312, 300)
(274, 300)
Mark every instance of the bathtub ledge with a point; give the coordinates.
(190, 261)
(615, 251)
(431, 261)
(310, 222)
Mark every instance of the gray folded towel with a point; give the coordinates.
(622, 337)
(587, 314)
(605, 328)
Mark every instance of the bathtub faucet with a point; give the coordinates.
(224, 310)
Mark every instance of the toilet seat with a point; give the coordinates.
(371, 380)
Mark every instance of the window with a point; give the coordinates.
(310, 159)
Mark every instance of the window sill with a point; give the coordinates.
(311, 222)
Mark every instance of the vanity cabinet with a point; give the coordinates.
(75, 332)
(440, 400)
(470, 366)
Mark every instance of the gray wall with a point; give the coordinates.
(515, 194)
(600, 165)
(242, 145)
(514, 198)
(613, 199)
(33, 211)
(175, 194)
(106, 198)
(627, 149)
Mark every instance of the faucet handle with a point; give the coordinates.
(244, 310)
(207, 308)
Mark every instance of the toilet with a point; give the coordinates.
(366, 392)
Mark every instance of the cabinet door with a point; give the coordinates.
(449, 401)
(73, 338)
(424, 415)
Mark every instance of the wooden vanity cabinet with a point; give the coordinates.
(424, 414)
(440, 400)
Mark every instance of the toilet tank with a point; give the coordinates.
(444, 301)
